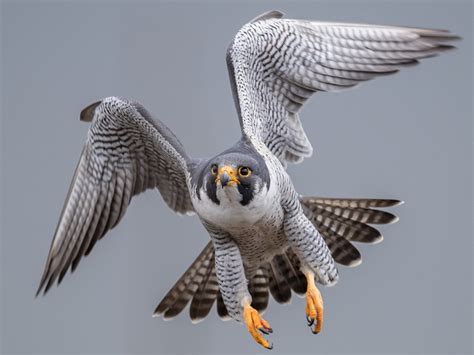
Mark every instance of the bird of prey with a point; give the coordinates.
(264, 236)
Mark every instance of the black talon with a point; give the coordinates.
(270, 347)
(314, 332)
(266, 330)
(310, 321)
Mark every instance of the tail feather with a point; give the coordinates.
(205, 295)
(346, 228)
(292, 275)
(351, 202)
(221, 309)
(343, 252)
(185, 288)
(279, 287)
(299, 284)
(258, 288)
(342, 221)
(359, 214)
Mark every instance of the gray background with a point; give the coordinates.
(407, 136)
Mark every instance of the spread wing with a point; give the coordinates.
(276, 64)
(126, 152)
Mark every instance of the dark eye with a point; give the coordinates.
(244, 171)
(214, 169)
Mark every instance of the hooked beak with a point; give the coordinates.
(224, 179)
(227, 175)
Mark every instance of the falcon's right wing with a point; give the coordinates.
(276, 64)
(126, 152)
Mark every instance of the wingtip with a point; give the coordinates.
(445, 47)
(441, 35)
(41, 287)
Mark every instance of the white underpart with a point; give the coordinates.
(257, 227)
(230, 214)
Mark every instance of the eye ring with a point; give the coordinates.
(214, 169)
(245, 171)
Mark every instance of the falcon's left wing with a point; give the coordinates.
(276, 64)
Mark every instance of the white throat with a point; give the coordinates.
(230, 214)
(228, 196)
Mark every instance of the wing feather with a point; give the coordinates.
(126, 152)
(276, 64)
(104, 218)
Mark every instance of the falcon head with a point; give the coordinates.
(235, 177)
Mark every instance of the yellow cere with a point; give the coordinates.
(231, 171)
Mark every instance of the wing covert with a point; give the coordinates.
(276, 64)
(126, 152)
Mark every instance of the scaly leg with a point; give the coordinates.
(314, 304)
(256, 323)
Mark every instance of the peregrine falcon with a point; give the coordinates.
(264, 236)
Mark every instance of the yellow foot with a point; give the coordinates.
(314, 304)
(256, 323)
